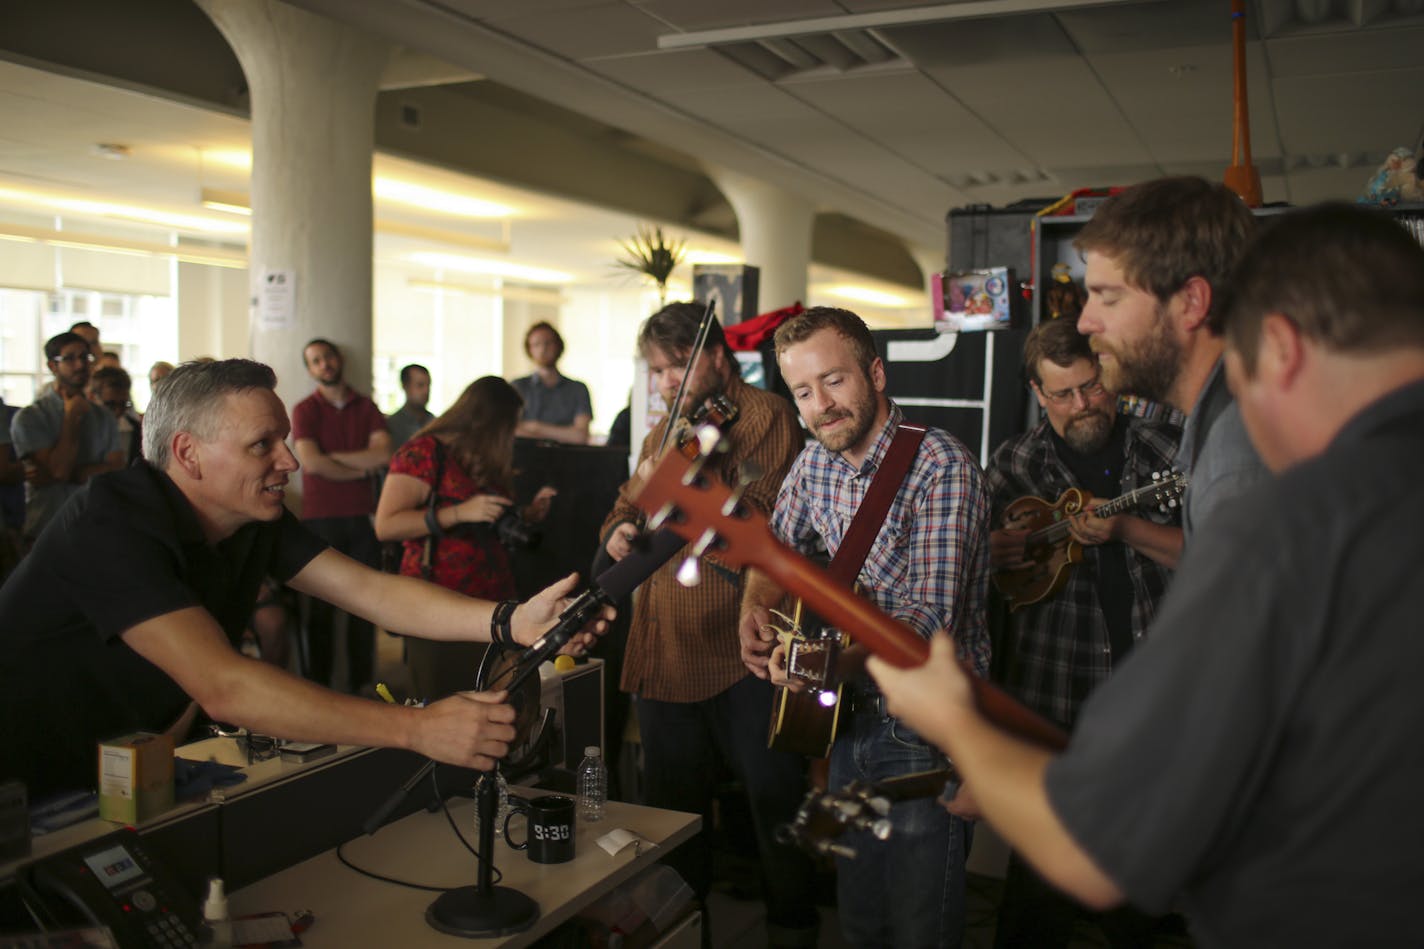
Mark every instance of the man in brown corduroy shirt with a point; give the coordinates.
(697, 704)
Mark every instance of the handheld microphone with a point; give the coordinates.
(612, 585)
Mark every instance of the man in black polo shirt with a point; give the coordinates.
(1257, 761)
(130, 607)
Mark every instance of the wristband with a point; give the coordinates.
(500, 632)
(432, 522)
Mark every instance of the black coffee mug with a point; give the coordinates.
(549, 833)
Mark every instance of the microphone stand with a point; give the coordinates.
(483, 909)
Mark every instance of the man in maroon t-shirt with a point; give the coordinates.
(342, 443)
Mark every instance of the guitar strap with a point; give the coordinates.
(870, 516)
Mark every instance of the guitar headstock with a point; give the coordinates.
(683, 496)
(1167, 488)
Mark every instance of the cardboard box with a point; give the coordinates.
(135, 777)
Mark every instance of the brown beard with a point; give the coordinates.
(1088, 432)
(1146, 368)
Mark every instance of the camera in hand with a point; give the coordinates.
(517, 533)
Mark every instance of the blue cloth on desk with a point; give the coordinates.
(192, 779)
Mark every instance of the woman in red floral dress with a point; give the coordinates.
(469, 450)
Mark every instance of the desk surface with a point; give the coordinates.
(355, 910)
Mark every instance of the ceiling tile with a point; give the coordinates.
(1180, 99)
(674, 72)
(1010, 39)
(909, 114)
(1354, 112)
(690, 15)
(1395, 47)
(1076, 123)
(608, 29)
(1122, 28)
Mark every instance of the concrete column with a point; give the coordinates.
(775, 228)
(313, 85)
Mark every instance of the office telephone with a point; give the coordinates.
(114, 881)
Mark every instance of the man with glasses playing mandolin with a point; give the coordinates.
(1072, 623)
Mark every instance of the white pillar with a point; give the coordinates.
(775, 229)
(313, 85)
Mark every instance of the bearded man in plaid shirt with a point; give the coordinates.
(1061, 648)
(928, 566)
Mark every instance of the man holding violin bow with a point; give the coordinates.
(1062, 643)
(696, 703)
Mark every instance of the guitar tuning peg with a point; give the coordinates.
(734, 499)
(689, 574)
(657, 520)
(709, 440)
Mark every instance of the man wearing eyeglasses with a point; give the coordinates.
(60, 438)
(112, 388)
(1061, 648)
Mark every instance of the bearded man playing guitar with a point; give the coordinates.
(1061, 647)
(928, 566)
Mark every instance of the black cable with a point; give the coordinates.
(444, 806)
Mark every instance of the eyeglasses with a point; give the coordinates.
(1088, 390)
(117, 404)
(74, 357)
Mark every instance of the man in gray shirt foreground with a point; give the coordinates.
(1257, 761)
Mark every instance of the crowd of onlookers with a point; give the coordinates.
(369, 480)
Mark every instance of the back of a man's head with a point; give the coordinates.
(1350, 278)
(1161, 233)
(190, 399)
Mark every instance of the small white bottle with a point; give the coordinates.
(217, 925)
(592, 785)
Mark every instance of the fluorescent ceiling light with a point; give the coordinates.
(185, 222)
(212, 256)
(233, 202)
(388, 189)
(433, 199)
(868, 295)
(494, 268)
(228, 157)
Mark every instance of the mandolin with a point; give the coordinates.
(1051, 551)
(683, 496)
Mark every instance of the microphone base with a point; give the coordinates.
(466, 911)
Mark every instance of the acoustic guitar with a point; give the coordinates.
(1050, 551)
(682, 495)
(804, 722)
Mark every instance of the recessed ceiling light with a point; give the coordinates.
(111, 151)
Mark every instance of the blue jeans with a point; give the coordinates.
(682, 742)
(906, 892)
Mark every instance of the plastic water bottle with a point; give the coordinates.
(592, 785)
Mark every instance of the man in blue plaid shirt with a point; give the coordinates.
(928, 567)
(1061, 648)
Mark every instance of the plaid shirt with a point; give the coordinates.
(1058, 650)
(929, 565)
(682, 643)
